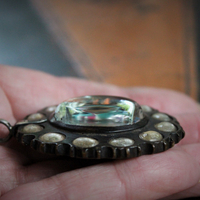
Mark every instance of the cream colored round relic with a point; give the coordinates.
(121, 142)
(161, 117)
(166, 127)
(51, 109)
(146, 108)
(51, 137)
(151, 136)
(36, 117)
(32, 128)
(85, 142)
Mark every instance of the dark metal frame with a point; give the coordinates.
(103, 150)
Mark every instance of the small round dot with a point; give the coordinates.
(165, 126)
(121, 142)
(161, 117)
(35, 117)
(32, 128)
(85, 142)
(51, 137)
(51, 109)
(151, 136)
(146, 108)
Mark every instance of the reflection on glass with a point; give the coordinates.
(98, 111)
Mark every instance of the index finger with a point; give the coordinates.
(29, 90)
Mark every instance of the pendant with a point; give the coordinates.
(97, 127)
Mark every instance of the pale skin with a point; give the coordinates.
(25, 175)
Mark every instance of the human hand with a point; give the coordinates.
(174, 173)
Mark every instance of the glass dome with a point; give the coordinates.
(103, 111)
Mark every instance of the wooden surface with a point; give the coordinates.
(127, 43)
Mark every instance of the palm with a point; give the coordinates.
(172, 174)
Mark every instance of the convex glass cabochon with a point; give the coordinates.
(99, 111)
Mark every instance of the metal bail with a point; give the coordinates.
(9, 127)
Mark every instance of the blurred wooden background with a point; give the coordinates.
(129, 42)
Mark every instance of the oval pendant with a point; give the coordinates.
(98, 127)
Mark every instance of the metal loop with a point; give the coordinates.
(9, 127)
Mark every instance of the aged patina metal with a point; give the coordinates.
(97, 127)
